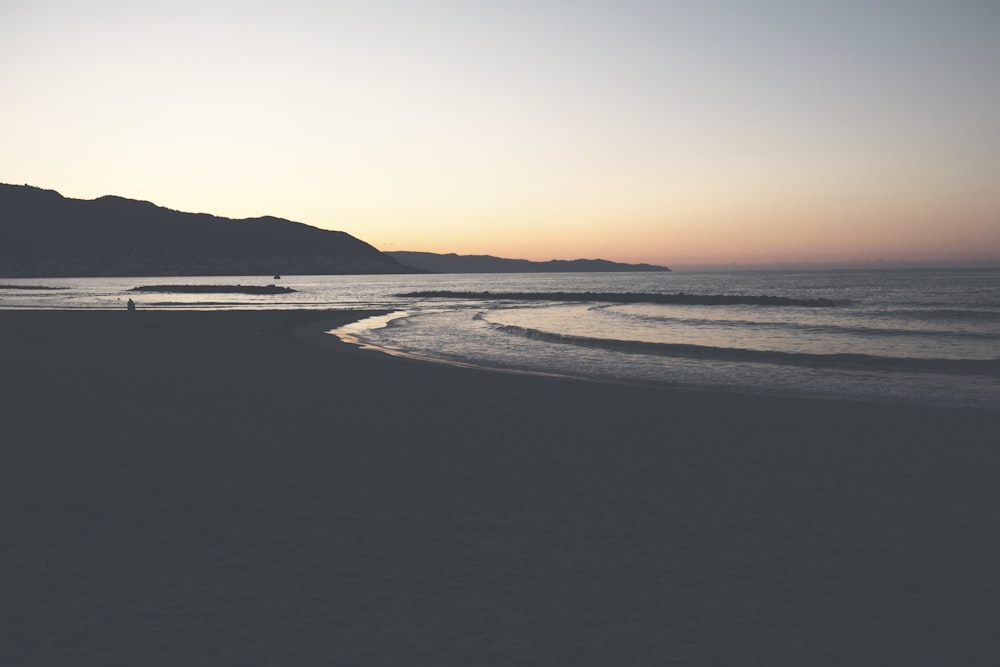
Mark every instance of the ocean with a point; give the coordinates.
(924, 336)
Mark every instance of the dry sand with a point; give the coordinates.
(236, 488)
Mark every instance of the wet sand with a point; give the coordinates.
(216, 488)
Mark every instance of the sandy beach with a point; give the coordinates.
(240, 488)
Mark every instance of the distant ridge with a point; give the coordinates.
(452, 263)
(43, 233)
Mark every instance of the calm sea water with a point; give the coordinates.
(930, 336)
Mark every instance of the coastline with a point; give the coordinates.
(240, 487)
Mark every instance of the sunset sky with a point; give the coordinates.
(680, 133)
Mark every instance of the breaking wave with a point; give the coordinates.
(988, 367)
(784, 325)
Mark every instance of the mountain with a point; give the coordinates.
(452, 263)
(43, 233)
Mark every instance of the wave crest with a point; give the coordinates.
(989, 367)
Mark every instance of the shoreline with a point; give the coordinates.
(347, 336)
(218, 487)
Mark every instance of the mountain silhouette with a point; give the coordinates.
(43, 233)
(452, 263)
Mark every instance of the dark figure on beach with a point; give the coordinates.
(131, 304)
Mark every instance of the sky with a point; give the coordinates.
(679, 133)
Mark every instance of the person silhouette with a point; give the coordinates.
(131, 304)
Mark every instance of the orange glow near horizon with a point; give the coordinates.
(635, 131)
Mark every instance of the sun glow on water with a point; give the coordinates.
(889, 335)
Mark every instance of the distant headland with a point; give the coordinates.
(43, 234)
(452, 263)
